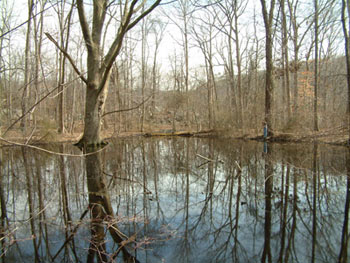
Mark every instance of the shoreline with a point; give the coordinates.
(338, 137)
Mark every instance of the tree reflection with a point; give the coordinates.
(266, 255)
(177, 200)
(30, 199)
(3, 217)
(102, 215)
(343, 255)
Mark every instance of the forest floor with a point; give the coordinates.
(335, 136)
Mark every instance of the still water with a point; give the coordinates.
(175, 200)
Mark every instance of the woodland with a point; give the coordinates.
(91, 72)
(88, 70)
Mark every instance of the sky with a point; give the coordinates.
(171, 42)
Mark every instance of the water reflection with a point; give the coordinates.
(176, 200)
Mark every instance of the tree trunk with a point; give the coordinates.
(239, 65)
(269, 83)
(285, 58)
(26, 66)
(316, 69)
(94, 108)
(346, 8)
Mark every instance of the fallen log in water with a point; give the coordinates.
(181, 133)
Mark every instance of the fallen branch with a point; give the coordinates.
(179, 133)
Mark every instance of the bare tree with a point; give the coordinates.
(26, 65)
(204, 34)
(64, 29)
(98, 65)
(285, 57)
(268, 16)
(316, 67)
(38, 38)
(345, 16)
(232, 11)
(297, 39)
(158, 30)
(181, 18)
(6, 17)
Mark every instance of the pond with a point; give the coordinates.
(175, 200)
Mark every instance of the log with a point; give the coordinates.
(181, 133)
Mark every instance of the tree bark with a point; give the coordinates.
(94, 109)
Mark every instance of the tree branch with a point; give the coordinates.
(129, 109)
(67, 56)
(84, 25)
(149, 10)
(116, 46)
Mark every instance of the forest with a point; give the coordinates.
(76, 67)
(127, 73)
